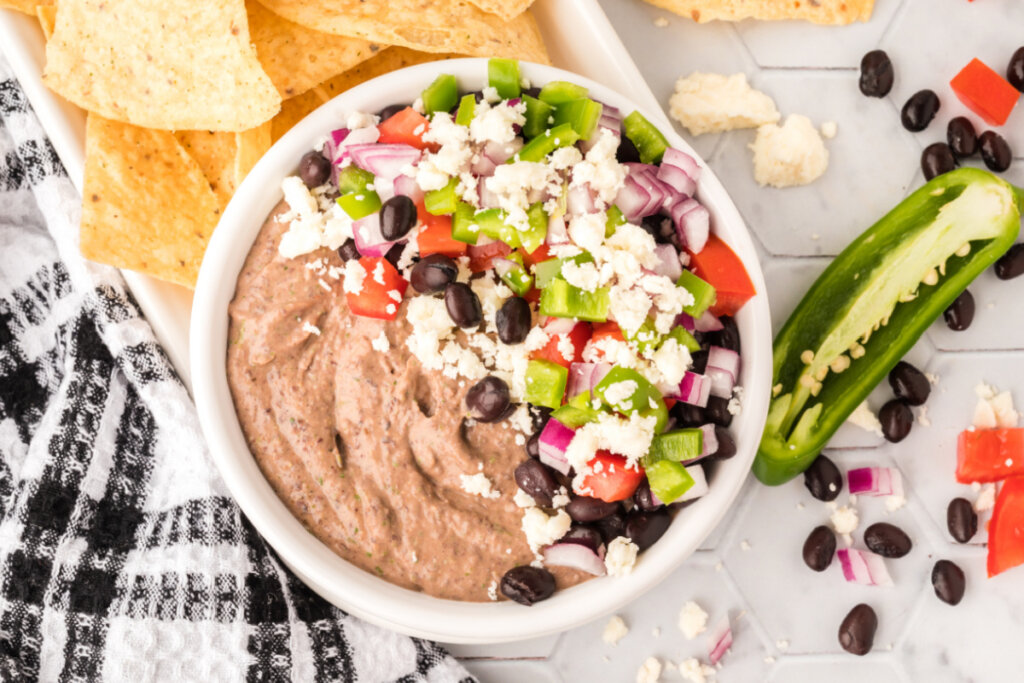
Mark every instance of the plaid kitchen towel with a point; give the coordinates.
(122, 558)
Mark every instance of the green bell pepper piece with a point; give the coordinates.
(353, 179)
(577, 412)
(546, 143)
(648, 139)
(492, 224)
(872, 304)
(560, 92)
(614, 219)
(582, 115)
(561, 300)
(548, 270)
(669, 480)
(360, 203)
(466, 110)
(503, 76)
(703, 294)
(678, 445)
(444, 201)
(516, 277)
(538, 117)
(683, 338)
(545, 383)
(646, 400)
(441, 95)
(537, 217)
(464, 226)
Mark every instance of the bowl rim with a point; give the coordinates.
(344, 584)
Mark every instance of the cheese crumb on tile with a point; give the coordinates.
(650, 671)
(922, 416)
(381, 343)
(844, 521)
(864, 418)
(744, 544)
(994, 408)
(711, 103)
(620, 556)
(986, 499)
(693, 620)
(694, 671)
(479, 485)
(789, 155)
(614, 631)
(829, 130)
(660, 22)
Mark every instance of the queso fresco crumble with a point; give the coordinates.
(563, 277)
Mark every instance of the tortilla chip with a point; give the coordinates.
(506, 9)
(47, 15)
(427, 25)
(185, 65)
(816, 11)
(146, 204)
(252, 144)
(24, 6)
(215, 153)
(387, 60)
(297, 58)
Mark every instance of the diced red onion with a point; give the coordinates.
(693, 224)
(646, 177)
(676, 178)
(554, 439)
(723, 369)
(574, 555)
(687, 321)
(382, 160)
(488, 199)
(585, 376)
(875, 481)
(700, 485)
(693, 389)
(557, 232)
(482, 166)
(368, 238)
(708, 323)
(668, 261)
(580, 200)
(721, 641)
(611, 118)
(679, 166)
(359, 136)
(407, 186)
(861, 566)
(710, 441)
(632, 199)
(503, 266)
(384, 187)
(500, 152)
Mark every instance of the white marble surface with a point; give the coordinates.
(784, 616)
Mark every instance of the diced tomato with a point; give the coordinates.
(533, 296)
(435, 235)
(405, 127)
(669, 402)
(481, 256)
(718, 265)
(1006, 530)
(530, 259)
(579, 335)
(375, 299)
(606, 330)
(986, 455)
(985, 92)
(610, 479)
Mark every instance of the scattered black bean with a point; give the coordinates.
(936, 159)
(876, 74)
(513, 320)
(823, 479)
(909, 383)
(887, 540)
(611, 527)
(583, 535)
(348, 251)
(726, 444)
(314, 169)
(857, 632)
(433, 273)
(627, 151)
(1015, 70)
(488, 400)
(819, 548)
(397, 216)
(919, 110)
(961, 520)
(527, 585)
(394, 254)
(586, 509)
(1011, 264)
(390, 110)
(688, 415)
(463, 305)
(961, 137)
(643, 499)
(949, 582)
(718, 411)
(896, 420)
(960, 313)
(645, 528)
(728, 337)
(536, 480)
(994, 151)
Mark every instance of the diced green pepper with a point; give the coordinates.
(493, 224)
(503, 76)
(467, 108)
(582, 115)
(872, 304)
(703, 294)
(614, 220)
(648, 139)
(353, 179)
(646, 338)
(464, 227)
(679, 445)
(577, 412)
(545, 383)
(559, 92)
(561, 300)
(360, 203)
(538, 115)
(683, 338)
(441, 95)
(515, 276)
(669, 480)
(548, 270)
(444, 201)
(537, 217)
(546, 143)
(646, 400)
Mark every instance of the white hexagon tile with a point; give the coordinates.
(785, 617)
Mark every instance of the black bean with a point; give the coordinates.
(397, 216)
(1011, 264)
(394, 254)
(819, 548)
(627, 151)
(994, 151)
(961, 520)
(513, 320)
(718, 411)
(726, 444)
(527, 585)
(463, 305)
(961, 137)
(1015, 70)
(657, 226)
(823, 479)
(314, 169)
(728, 337)
(533, 445)
(688, 415)
(583, 535)
(857, 632)
(532, 91)
(611, 527)
(645, 528)
(876, 74)
(536, 479)
(936, 159)
(960, 313)
(348, 251)
(433, 273)
(919, 110)
(586, 509)
(909, 383)
(699, 360)
(896, 420)
(539, 416)
(390, 110)
(488, 400)
(887, 540)
(643, 499)
(949, 582)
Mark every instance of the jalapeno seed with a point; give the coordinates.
(949, 582)
(819, 548)
(348, 251)
(887, 540)
(645, 528)
(960, 313)
(961, 520)
(961, 137)
(463, 305)
(876, 74)
(433, 273)
(513, 320)
(919, 110)
(909, 383)
(488, 400)
(314, 169)
(527, 585)
(536, 480)
(936, 159)
(994, 151)
(857, 632)
(1015, 70)
(397, 216)
(586, 509)
(1011, 264)
(896, 420)
(823, 479)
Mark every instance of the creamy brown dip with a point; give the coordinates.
(367, 448)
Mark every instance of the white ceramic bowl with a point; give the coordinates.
(359, 592)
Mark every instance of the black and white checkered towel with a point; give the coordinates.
(122, 558)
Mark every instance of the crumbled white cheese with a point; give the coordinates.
(618, 392)
(560, 499)
(630, 437)
(310, 328)
(354, 276)
(711, 103)
(829, 130)
(986, 499)
(361, 119)
(496, 124)
(479, 485)
(620, 556)
(694, 671)
(693, 620)
(600, 171)
(864, 418)
(512, 184)
(922, 416)
(789, 155)
(542, 530)
(381, 343)
(735, 405)
(894, 502)
(523, 499)
(582, 275)
(491, 95)
(844, 520)
(614, 631)
(650, 671)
